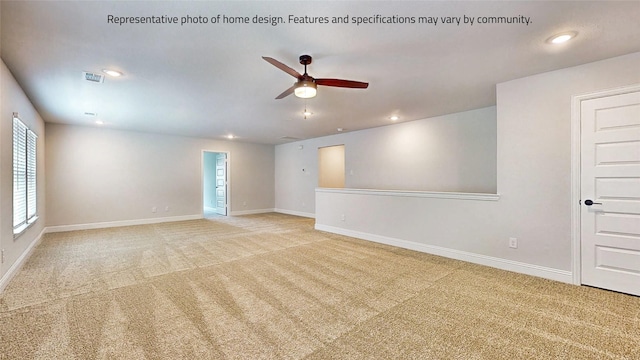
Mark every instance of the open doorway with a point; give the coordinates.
(331, 166)
(215, 188)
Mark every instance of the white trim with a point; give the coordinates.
(295, 213)
(110, 224)
(17, 232)
(13, 270)
(509, 265)
(250, 212)
(418, 194)
(576, 121)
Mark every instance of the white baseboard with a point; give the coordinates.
(110, 224)
(504, 264)
(296, 213)
(13, 270)
(250, 212)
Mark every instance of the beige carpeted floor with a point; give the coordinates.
(270, 287)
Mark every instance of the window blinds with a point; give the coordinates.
(24, 175)
(31, 175)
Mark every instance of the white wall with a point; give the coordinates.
(13, 100)
(455, 152)
(100, 175)
(534, 183)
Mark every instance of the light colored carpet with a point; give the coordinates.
(270, 287)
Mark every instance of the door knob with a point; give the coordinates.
(590, 202)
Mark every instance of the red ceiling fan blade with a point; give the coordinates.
(342, 83)
(287, 92)
(282, 67)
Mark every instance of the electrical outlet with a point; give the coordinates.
(2, 262)
(342, 217)
(513, 243)
(166, 208)
(154, 209)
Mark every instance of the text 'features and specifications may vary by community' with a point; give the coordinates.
(271, 20)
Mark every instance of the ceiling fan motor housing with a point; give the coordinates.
(305, 60)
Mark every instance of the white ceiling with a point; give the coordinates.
(209, 80)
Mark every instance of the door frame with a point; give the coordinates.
(202, 179)
(576, 121)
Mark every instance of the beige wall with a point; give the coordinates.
(13, 100)
(331, 166)
(98, 175)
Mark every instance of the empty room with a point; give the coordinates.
(319, 180)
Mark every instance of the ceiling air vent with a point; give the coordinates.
(93, 77)
(291, 138)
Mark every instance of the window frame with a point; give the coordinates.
(25, 179)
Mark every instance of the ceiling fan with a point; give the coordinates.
(306, 85)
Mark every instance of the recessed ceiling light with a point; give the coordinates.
(230, 136)
(340, 129)
(394, 118)
(562, 38)
(99, 122)
(113, 73)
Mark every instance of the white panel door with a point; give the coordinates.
(221, 183)
(610, 192)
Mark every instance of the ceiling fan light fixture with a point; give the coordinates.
(306, 89)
